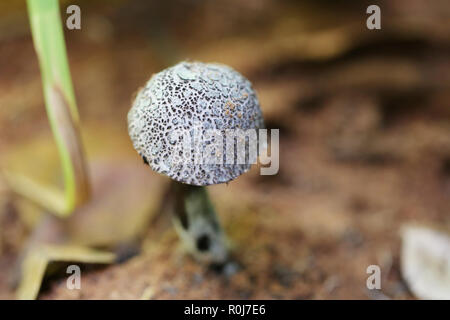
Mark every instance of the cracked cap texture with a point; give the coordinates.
(203, 100)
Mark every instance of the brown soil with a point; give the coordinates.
(364, 141)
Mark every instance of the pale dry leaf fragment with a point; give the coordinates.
(425, 262)
(35, 264)
(149, 293)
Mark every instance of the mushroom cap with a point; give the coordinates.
(192, 97)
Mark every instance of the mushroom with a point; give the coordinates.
(170, 125)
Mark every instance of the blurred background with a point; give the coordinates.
(364, 119)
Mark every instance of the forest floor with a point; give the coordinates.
(364, 150)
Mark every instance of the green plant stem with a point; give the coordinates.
(48, 39)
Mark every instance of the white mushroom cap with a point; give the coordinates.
(192, 97)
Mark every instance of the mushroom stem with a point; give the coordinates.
(197, 224)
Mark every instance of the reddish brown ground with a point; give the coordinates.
(364, 123)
